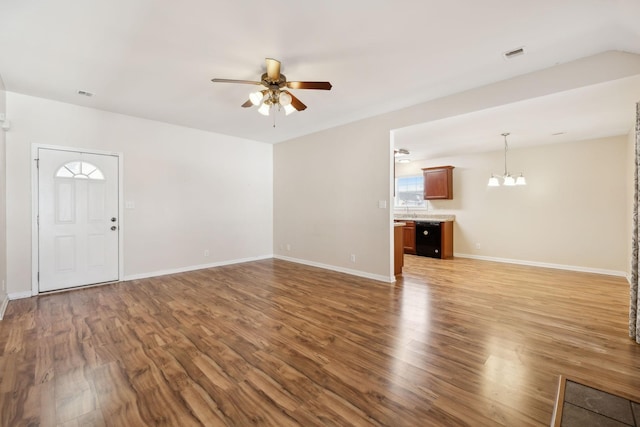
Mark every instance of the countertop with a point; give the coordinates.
(399, 224)
(425, 217)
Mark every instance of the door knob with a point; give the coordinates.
(113, 219)
(114, 228)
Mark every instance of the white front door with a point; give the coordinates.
(78, 224)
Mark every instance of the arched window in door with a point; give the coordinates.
(80, 170)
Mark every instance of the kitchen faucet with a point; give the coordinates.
(410, 215)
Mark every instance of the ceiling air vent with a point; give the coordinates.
(513, 53)
(85, 93)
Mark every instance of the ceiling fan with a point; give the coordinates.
(275, 93)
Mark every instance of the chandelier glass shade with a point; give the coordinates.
(507, 179)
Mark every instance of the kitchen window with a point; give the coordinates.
(410, 192)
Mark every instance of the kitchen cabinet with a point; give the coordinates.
(438, 182)
(446, 239)
(409, 231)
(398, 245)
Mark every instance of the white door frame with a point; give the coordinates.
(35, 253)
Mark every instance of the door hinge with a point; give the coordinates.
(37, 163)
(38, 277)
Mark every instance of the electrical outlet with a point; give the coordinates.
(353, 257)
(206, 252)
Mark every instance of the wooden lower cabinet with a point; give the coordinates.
(398, 255)
(434, 239)
(447, 239)
(409, 231)
(443, 248)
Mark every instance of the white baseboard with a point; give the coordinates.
(3, 305)
(546, 265)
(358, 273)
(193, 267)
(20, 295)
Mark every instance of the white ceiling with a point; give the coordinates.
(597, 111)
(154, 59)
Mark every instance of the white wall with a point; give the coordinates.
(323, 223)
(630, 176)
(193, 190)
(572, 213)
(3, 205)
(327, 187)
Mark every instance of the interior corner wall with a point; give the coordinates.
(3, 206)
(327, 192)
(192, 191)
(630, 177)
(571, 214)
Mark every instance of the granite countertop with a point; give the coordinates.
(424, 217)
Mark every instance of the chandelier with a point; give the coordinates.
(507, 178)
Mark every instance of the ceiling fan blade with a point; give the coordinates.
(297, 104)
(247, 82)
(247, 104)
(309, 85)
(273, 69)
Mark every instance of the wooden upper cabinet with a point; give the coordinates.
(438, 182)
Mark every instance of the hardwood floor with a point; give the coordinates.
(453, 343)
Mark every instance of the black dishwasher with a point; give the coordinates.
(428, 239)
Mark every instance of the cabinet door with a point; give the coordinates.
(438, 183)
(410, 238)
(447, 239)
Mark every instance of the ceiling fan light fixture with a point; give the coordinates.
(288, 109)
(509, 181)
(520, 180)
(264, 109)
(493, 181)
(256, 97)
(274, 93)
(284, 99)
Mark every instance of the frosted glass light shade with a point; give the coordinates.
(284, 99)
(521, 181)
(288, 109)
(508, 180)
(256, 97)
(493, 182)
(264, 109)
